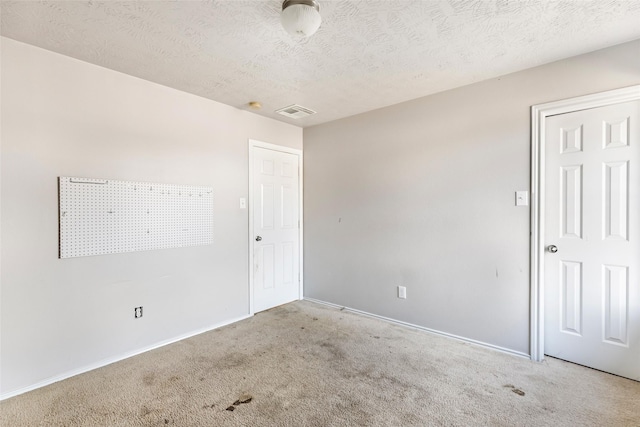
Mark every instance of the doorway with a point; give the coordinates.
(585, 231)
(275, 225)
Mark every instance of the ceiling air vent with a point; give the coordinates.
(295, 111)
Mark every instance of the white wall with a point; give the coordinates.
(63, 117)
(421, 194)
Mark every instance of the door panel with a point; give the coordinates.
(616, 305)
(289, 197)
(276, 262)
(592, 192)
(288, 262)
(267, 205)
(571, 201)
(572, 297)
(266, 260)
(615, 200)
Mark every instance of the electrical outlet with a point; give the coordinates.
(138, 312)
(402, 292)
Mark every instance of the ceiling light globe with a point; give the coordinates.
(301, 18)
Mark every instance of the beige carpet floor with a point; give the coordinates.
(305, 364)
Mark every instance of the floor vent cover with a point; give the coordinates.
(295, 111)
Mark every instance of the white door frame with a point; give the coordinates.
(539, 114)
(259, 144)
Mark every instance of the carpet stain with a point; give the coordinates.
(514, 389)
(334, 350)
(149, 378)
(232, 360)
(245, 398)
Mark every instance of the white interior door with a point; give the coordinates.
(276, 228)
(592, 238)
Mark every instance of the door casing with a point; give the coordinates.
(259, 144)
(539, 113)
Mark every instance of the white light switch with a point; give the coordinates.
(522, 198)
(243, 203)
(402, 292)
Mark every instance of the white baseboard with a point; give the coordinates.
(111, 360)
(422, 328)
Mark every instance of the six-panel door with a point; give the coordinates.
(276, 228)
(592, 192)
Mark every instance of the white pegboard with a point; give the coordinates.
(99, 216)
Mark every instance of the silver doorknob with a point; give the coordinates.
(258, 238)
(552, 248)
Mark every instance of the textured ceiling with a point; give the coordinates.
(367, 54)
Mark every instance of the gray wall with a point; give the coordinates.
(63, 117)
(421, 194)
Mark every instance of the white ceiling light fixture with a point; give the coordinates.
(301, 18)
